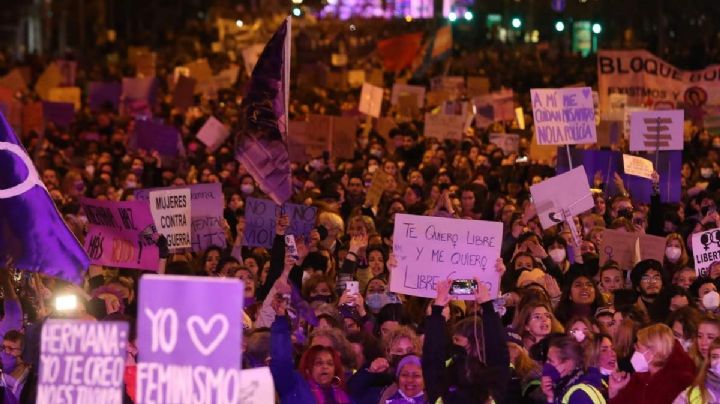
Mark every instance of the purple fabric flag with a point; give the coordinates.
(73, 354)
(60, 113)
(101, 94)
(150, 135)
(196, 337)
(261, 144)
(32, 231)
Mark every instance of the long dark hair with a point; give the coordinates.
(565, 307)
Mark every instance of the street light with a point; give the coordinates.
(559, 26)
(468, 15)
(452, 16)
(239, 23)
(516, 22)
(296, 12)
(596, 28)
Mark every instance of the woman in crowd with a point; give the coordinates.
(706, 386)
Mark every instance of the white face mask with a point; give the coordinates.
(711, 300)
(247, 189)
(606, 372)
(639, 363)
(558, 255)
(673, 253)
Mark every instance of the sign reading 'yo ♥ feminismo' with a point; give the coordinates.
(189, 347)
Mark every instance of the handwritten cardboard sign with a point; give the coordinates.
(257, 386)
(213, 133)
(401, 89)
(260, 216)
(627, 248)
(430, 249)
(82, 361)
(371, 99)
(478, 85)
(443, 126)
(484, 111)
(508, 142)
(170, 210)
(706, 250)
(206, 211)
(377, 187)
(121, 234)
(356, 78)
(564, 116)
(503, 105)
(656, 130)
(196, 338)
(561, 197)
(638, 166)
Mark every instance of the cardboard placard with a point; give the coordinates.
(399, 90)
(508, 142)
(260, 216)
(656, 130)
(170, 210)
(561, 197)
(622, 247)
(706, 250)
(377, 187)
(213, 134)
(371, 100)
(638, 166)
(563, 116)
(443, 126)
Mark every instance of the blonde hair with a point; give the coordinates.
(399, 333)
(334, 219)
(699, 382)
(659, 339)
(523, 363)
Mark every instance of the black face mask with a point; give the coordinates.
(321, 298)
(589, 257)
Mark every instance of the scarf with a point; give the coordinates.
(331, 394)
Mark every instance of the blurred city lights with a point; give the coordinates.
(596, 28)
(516, 22)
(468, 15)
(452, 16)
(296, 12)
(239, 23)
(559, 26)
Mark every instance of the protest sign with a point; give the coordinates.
(356, 78)
(66, 94)
(170, 210)
(256, 386)
(638, 166)
(342, 139)
(206, 211)
(628, 248)
(377, 186)
(443, 126)
(145, 64)
(50, 78)
(184, 93)
(431, 249)
(503, 105)
(407, 105)
(227, 77)
(153, 136)
(563, 116)
(705, 250)
(138, 88)
(13, 80)
(454, 85)
(508, 142)
(371, 100)
(478, 85)
(213, 133)
(196, 338)
(260, 216)
(200, 71)
(82, 361)
(656, 130)
(121, 234)
(484, 111)
(618, 103)
(645, 78)
(250, 56)
(520, 118)
(559, 198)
(401, 89)
(102, 94)
(60, 113)
(338, 59)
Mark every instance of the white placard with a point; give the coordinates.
(656, 130)
(213, 133)
(170, 210)
(371, 100)
(256, 386)
(638, 166)
(706, 250)
(562, 196)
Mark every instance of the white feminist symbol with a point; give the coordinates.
(32, 177)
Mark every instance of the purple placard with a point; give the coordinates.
(60, 113)
(196, 338)
(82, 361)
(121, 234)
(260, 217)
(151, 135)
(101, 94)
(206, 212)
(135, 88)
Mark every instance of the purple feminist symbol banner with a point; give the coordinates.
(197, 339)
(206, 213)
(32, 231)
(121, 234)
(261, 144)
(82, 361)
(260, 216)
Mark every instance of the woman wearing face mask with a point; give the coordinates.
(706, 386)
(557, 250)
(478, 370)
(662, 369)
(318, 289)
(319, 378)
(676, 256)
(247, 186)
(564, 377)
(579, 328)
(705, 290)
(707, 330)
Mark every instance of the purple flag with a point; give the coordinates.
(196, 338)
(60, 113)
(121, 234)
(261, 144)
(72, 350)
(150, 135)
(101, 94)
(32, 231)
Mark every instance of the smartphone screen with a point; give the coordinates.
(463, 287)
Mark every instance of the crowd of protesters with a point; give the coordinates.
(564, 330)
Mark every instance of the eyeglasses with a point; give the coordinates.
(649, 279)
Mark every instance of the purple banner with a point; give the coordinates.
(121, 234)
(260, 217)
(206, 212)
(151, 136)
(196, 339)
(101, 94)
(82, 361)
(60, 113)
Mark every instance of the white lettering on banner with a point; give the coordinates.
(429, 249)
(159, 383)
(171, 212)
